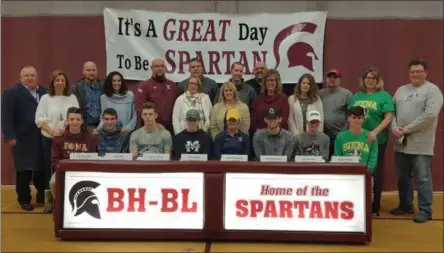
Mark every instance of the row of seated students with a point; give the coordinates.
(153, 138)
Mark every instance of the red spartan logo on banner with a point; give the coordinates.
(298, 52)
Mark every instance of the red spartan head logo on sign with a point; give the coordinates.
(298, 52)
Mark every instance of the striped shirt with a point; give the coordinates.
(157, 142)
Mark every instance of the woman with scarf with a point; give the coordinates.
(193, 98)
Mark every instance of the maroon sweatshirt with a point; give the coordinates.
(163, 94)
(260, 109)
(68, 143)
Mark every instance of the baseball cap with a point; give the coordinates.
(313, 115)
(356, 111)
(232, 114)
(193, 114)
(273, 112)
(334, 71)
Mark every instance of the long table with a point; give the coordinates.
(253, 201)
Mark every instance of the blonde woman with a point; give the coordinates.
(193, 98)
(378, 114)
(271, 97)
(305, 98)
(229, 100)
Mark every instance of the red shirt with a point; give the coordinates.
(163, 95)
(260, 109)
(68, 143)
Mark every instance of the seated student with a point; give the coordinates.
(353, 142)
(111, 138)
(232, 141)
(312, 142)
(273, 140)
(192, 140)
(75, 139)
(150, 138)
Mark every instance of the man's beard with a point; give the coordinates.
(91, 79)
(159, 77)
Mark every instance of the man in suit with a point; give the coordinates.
(19, 104)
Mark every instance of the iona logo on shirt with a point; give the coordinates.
(192, 146)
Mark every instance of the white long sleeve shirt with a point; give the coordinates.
(52, 110)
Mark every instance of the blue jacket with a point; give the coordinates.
(225, 144)
(18, 122)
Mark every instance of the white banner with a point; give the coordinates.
(133, 200)
(283, 202)
(293, 43)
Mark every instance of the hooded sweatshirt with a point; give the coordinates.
(62, 146)
(125, 107)
(163, 93)
(113, 141)
(261, 106)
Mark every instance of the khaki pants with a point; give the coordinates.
(52, 185)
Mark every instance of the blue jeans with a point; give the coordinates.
(410, 166)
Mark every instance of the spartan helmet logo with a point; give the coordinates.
(83, 199)
(271, 111)
(299, 53)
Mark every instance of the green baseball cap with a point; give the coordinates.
(193, 114)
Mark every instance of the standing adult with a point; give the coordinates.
(88, 91)
(229, 99)
(255, 82)
(193, 98)
(304, 99)
(271, 96)
(417, 106)
(50, 117)
(335, 100)
(378, 114)
(245, 91)
(19, 104)
(118, 97)
(209, 86)
(160, 91)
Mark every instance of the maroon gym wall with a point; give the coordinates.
(51, 43)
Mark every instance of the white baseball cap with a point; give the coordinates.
(313, 115)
